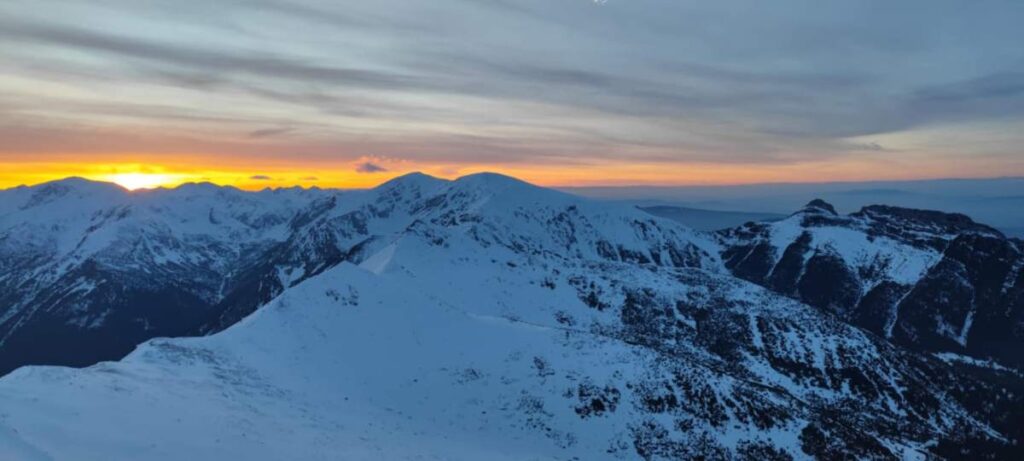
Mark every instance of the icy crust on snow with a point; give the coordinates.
(457, 337)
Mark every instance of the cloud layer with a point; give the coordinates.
(532, 83)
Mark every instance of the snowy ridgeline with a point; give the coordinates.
(485, 318)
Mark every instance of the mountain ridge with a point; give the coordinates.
(809, 256)
(573, 328)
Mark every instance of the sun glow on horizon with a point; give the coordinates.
(141, 175)
(138, 180)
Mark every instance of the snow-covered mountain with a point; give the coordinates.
(485, 318)
(89, 270)
(933, 281)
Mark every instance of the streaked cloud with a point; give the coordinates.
(659, 85)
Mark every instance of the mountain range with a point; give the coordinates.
(487, 318)
(996, 202)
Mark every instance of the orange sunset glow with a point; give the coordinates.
(134, 176)
(583, 99)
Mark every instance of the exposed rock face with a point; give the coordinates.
(932, 281)
(971, 301)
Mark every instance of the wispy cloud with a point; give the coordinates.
(370, 167)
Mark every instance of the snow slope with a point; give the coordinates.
(489, 319)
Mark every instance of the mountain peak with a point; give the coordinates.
(508, 190)
(489, 176)
(819, 204)
(68, 187)
(488, 179)
(414, 179)
(79, 183)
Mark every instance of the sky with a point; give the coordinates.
(344, 93)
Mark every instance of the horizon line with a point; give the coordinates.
(557, 187)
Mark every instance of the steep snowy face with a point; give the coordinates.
(918, 277)
(88, 270)
(447, 339)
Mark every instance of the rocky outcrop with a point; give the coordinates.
(931, 281)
